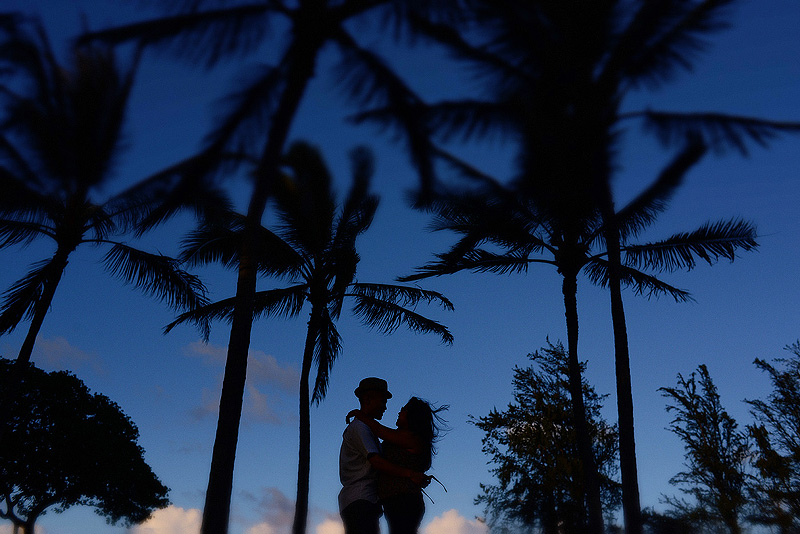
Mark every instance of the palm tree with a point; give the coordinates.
(314, 247)
(60, 136)
(268, 104)
(558, 74)
(505, 232)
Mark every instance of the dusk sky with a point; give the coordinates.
(111, 337)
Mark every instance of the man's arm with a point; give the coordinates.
(382, 464)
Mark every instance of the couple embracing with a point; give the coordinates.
(382, 469)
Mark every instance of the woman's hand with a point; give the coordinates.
(420, 479)
(354, 414)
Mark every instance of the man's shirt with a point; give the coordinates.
(358, 477)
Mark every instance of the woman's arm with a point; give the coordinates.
(401, 438)
(382, 464)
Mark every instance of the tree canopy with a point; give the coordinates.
(64, 446)
(533, 447)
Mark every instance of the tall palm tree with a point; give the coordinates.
(505, 232)
(315, 248)
(60, 135)
(259, 117)
(558, 74)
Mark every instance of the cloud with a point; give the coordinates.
(275, 508)
(262, 528)
(57, 353)
(209, 404)
(265, 369)
(257, 408)
(264, 372)
(8, 528)
(451, 522)
(262, 369)
(171, 520)
(330, 526)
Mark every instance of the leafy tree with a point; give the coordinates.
(658, 523)
(533, 446)
(257, 119)
(315, 248)
(65, 446)
(61, 132)
(558, 74)
(717, 453)
(776, 491)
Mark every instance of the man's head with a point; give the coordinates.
(372, 394)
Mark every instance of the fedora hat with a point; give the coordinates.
(373, 384)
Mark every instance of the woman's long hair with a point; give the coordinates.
(426, 423)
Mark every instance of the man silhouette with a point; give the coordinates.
(360, 460)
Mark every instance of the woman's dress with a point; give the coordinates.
(402, 500)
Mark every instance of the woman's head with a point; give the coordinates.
(419, 417)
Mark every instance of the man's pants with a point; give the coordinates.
(361, 517)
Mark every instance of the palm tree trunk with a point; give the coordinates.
(631, 506)
(591, 483)
(216, 510)
(42, 306)
(304, 457)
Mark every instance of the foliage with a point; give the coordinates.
(532, 445)
(65, 446)
(717, 453)
(658, 523)
(61, 134)
(776, 492)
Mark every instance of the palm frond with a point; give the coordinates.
(212, 244)
(220, 241)
(359, 206)
(597, 270)
(201, 37)
(155, 275)
(327, 346)
(403, 295)
(479, 261)
(188, 184)
(287, 302)
(710, 242)
(484, 181)
(370, 82)
(495, 217)
(339, 266)
(242, 116)
(663, 37)
(717, 130)
(203, 316)
(16, 173)
(100, 222)
(19, 301)
(481, 59)
(281, 302)
(643, 210)
(14, 232)
(387, 317)
(467, 120)
(305, 200)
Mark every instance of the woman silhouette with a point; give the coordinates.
(410, 445)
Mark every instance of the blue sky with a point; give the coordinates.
(110, 336)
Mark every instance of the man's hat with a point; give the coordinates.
(373, 384)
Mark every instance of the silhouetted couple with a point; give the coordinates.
(382, 469)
